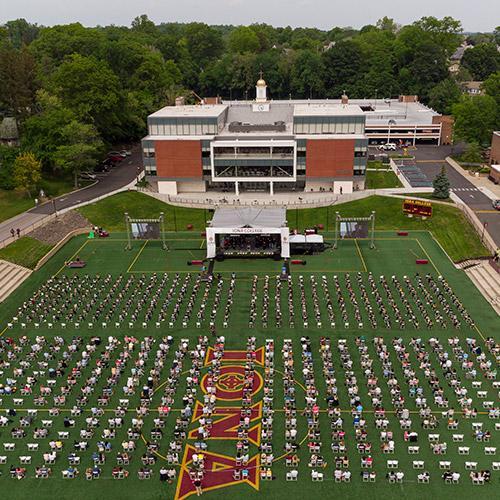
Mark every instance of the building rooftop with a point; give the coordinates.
(376, 111)
(242, 112)
(200, 110)
(8, 129)
(325, 108)
(232, 217)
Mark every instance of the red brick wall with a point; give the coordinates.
(329, 157)
(495, 150)
(178, 158)
(446, 127)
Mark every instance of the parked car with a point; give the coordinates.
(102, 167)
(496, 204)
(115, 157)
(125, 152)
(88, 176)
(388, 146)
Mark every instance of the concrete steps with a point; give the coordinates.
(11, 276)
(466, 264)
(487, 280)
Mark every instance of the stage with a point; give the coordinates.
(248, 233)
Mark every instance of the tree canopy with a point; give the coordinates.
(109, 78)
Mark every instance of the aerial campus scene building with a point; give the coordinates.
(284, 145)
(288, 288)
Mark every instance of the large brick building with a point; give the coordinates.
(269, 146)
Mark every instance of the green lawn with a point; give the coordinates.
(447, 224)
(13, 203)
(427, 196)
(381, 179)
(393, 256)
(25, 252)
(109, 213)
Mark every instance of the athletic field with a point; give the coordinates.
(124, 283)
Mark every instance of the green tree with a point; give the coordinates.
(80, 150)
(154, 76)
(21, 32)
(203, 43)
(143, 24)
(444, 95)
(42, 131)
(344, 66)
(421, 60)
(475, 118)
(54, 44)
(496, 35)
(17, 81)
(387, 24)
(492, 87)
(473, 153)
(441, 185)
(482, 60)
(444, 32)
(8, 155)
(89, 88)
(243, 39)
(27, 172)
(307, 74)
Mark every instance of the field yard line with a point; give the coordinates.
(441, 247)
(480, 333)
(137, 256)
(72, 257)
(427, 255)
(361, 255)
(3, 331)
(202, 244)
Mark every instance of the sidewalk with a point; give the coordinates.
(26, 222)
(488, 188)
(290, 200)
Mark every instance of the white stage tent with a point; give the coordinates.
(248, 220)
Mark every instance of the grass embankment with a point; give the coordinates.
(25, 252)
(109, 213)
(447, 224)
(427, 196)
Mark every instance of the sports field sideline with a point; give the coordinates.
(393, 256)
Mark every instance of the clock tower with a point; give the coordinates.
(261, 102)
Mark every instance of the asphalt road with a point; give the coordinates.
(430, 160)
(119, 176)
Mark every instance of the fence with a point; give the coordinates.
(305, 201)
(27, 229)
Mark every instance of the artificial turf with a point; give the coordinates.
(392, 256)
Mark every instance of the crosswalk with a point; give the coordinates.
(464, 189)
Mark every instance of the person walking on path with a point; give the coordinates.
(13, 232)
(18, 231)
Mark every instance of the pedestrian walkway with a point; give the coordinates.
(464, 189)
